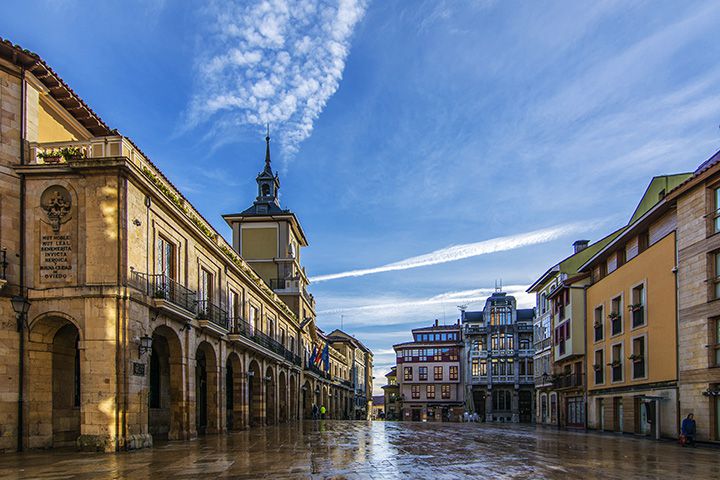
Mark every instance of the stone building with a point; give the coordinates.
(429, 374)
(391, 391)
(499, 361)
(143, 322)
(698, 244)
(360, 359)
(631, 315)
(559, 339)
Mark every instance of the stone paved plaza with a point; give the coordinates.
(328, 449)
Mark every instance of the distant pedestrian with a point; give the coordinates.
(687, 430)
(466, 417)
(314, 412)
(322, 411)
(475, 417)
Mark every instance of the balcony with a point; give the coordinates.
(524, 327)
(167, 293)
(569, 380)
(317, 371)
(475, 329)
(241, 327)
(211, 316)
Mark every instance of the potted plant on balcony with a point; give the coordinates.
(635, 357)
(614, 363)
(50, 156)
(597, 324)
(597, 367)
(72, 153)
(160, 293)
(635, 307)
(613, 315)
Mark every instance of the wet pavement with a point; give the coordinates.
(354, 450)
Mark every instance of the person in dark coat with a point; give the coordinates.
(688, 429)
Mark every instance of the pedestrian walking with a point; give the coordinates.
(322, 411)
(687, 430)
(314, 412)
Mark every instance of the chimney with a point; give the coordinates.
(580, 245)
(436, 322)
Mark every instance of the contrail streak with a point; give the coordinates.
(467, 250)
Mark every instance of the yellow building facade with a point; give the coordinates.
(631, 318)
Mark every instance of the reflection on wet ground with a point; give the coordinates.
(336, 449)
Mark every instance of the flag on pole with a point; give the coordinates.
(326, 357)
(317, 357)
(312, 357)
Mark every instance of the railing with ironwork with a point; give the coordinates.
(206, 310)
(240, 327)
(165, 288)
(568, 380)
(317, 370)
(278, 283)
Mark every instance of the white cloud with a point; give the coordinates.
(272, 61)
(459, 252)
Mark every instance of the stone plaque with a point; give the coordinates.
(138, 369)
(57, 260)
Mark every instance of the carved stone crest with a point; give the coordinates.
(56, 202)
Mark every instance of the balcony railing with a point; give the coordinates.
(279, 283)
(571, 380)
(240, 327)
(206, 310)
(165, 288)
(316, 370)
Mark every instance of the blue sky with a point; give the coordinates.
(402, 128)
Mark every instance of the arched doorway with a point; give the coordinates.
(292, 411)
(270, 416)
(282, 396)
(233, 393)
(206, 405)
(55, 360)
(307, 402)
(165, 393)
(255, 394)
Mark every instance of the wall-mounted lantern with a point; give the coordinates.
(145, 345)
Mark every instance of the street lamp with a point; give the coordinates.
(21, 305)
(145, 345)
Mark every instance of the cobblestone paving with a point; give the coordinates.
(378, 450)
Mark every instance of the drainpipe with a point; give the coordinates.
(21, 320)
(677, 343)
(585, 363)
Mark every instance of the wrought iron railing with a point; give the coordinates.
(569, 380)
(278, 283)
(240, 327)
(165, 288)
(206, 310)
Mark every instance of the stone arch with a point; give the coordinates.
(206, 389)
(282, 397)
(307, 401)
(234, 392)
(166, 379)
(292, 413)
(271, 397)
(54, 381)
(255, 394)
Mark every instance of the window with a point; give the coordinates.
(422, 373)
(715, 281)
(643, 241)
(599, 325)
(453, 373)
(502, 400)
(638, 357)
(483, 368)
(165, 258)
(415, 390)
(205, 286)
(615, 316)
(638, 306)
(617, 363)
(715, 216)
(408, 374)
(475, 368)
(430, 391)
(715, 346)
(438, 373)
(621, 257)
(254, 320)
(445, 391)
(599, 367)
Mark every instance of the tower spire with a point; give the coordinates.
(267, 150)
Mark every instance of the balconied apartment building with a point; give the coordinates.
(136, 320)
(631, 313)
(559, 338)
(429, 374)
(391, 390)
(499, 360)
(361, 379)
(698, 243)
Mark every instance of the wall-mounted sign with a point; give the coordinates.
(57, 260)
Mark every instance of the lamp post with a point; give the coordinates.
(21, 306)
